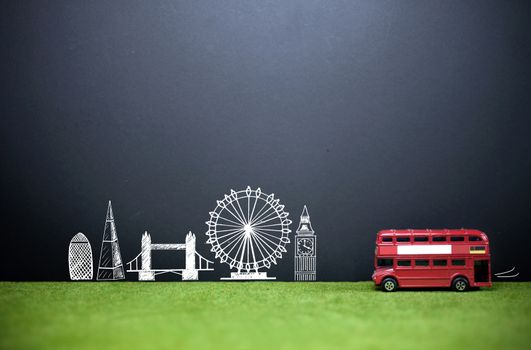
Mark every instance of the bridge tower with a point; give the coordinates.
(190, 272)
(146, 274)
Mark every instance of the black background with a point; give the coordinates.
(376, 114)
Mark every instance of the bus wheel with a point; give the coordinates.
(389, 285)
(460, 284)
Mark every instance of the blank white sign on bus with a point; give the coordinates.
(424, 249)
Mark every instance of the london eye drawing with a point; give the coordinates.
(249, 231)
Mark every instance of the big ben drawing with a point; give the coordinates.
(305, 249)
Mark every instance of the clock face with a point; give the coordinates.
(305, 246)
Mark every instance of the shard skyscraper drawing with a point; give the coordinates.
(110, 266)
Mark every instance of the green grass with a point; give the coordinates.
(260, 315)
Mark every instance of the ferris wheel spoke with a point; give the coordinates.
(241, 210)
(269, 230)
(265, 236)
(269, 225)
(242, 249)
(231, 221)
(263, 221)
(249, 243)
(229, 230)
(272, 214)
(235, 215)
(248, 208)
(257, 215)
(266, 207)
(254, 207)
(236, 244)
(229, 225)
(266, 213)
(271, 236)
(253, 237)
(269, 250)
(230, 234)
(245, 250)
(229, 241)
(254, 265)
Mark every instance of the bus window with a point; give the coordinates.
(421, 239)
(458, 262)
(385, 262)
(402, 239)
(387, 239)
(404, 263)
(457, 239)
(439, 262)
(474, 238)
(421, 263)
(438, 239)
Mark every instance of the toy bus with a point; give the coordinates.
(431, 258)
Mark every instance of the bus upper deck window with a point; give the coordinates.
(438, 239)
(421, 239)
(387, 239)
(402, 239)
(474, 238)
(457, 239)
(421, 263)
(439, 262)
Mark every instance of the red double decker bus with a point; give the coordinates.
(431, 258)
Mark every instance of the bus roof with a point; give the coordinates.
(423, 232)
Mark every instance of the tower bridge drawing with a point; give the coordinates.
(194, 262)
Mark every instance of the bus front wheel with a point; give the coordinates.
(389, 285)
(460, 284)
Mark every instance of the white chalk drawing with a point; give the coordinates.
(80, 263)
(110, 266)
(248, 230)
(142, 262)
(305, 249)
(507, 274)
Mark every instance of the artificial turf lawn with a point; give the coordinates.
(259, 315)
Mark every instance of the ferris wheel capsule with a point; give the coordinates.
(285, 240)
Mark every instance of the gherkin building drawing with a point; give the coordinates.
(110, 266)
(80, 258)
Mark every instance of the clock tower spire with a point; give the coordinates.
(305, 225)
(305, 249)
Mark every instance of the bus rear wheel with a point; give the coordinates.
(389, 285)
(460, 284)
